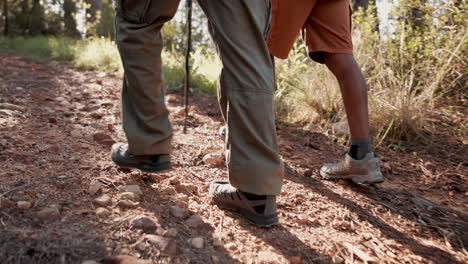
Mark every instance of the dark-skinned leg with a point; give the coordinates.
(360, 164)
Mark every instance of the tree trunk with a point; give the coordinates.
(69, 10)
(5, 13)
(360, 3)
(93, 14)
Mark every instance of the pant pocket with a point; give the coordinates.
(133, 10)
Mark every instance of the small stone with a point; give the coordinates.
(89, 262)
(174, 181)
(12, 107)
(178, 212)
(213, 159)
(94, 187)
(217, 242)
(97, 115)
(23, 205)
(102, 212)
(186, 189)
(166, 246)
(19, 88)
(103, 139)
(121, 259)
(145, 223)
(131, 188)
(129, 196)
(141, 246)
(103, 200)
(47, 214)
(295, 260)
(168, 191)
(197, 242)
(171, 232)
(231, 246)
(308, 173)
(194, 221)
(215, 259)
(386, 166)
(6, 203)
(76, 134)
(126, 204)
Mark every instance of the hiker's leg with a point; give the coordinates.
(354, 91)
(144, 113)
(239, 30)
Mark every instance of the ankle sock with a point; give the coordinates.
(359, 148)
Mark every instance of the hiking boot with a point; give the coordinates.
(365, 171)
(146, 163)
(260, 212)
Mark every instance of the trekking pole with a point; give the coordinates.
(187, 62)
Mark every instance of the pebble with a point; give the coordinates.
(295, 260)
(174, 181)
(171, 232)
(5, 203)
(103, 200)
(94, 187)
(76, 134)
(213, 159)
(48, 214)
(178, 212)
(194, 221)
(217, 242)
(23, 205)
(121, 259)
(131, 188)
(145, 223)
(231, 246)
(129, 196)
(197, 242)
(126, 204)
(215, 259)
(186, 189)
(166, 246)
(89, 262)
(102, 212)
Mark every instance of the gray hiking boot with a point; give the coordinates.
(365, 171)
(260, 212)
(146, 163)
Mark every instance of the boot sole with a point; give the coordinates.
(254, 219)
(359, 179)
(153, 169)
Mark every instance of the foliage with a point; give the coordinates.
(408, 72)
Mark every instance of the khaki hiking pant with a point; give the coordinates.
(239, 29)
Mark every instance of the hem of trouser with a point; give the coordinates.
(161, 148)
(272, 184)
(334, 51)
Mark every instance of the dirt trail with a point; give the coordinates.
(56, 145)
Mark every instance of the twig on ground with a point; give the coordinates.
(17, 188)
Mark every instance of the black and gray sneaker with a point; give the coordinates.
(260, 212)
(146, 163)
(365, 171)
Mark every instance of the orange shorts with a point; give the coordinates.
(325, 27)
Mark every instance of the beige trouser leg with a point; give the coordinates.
(144, 113)
(239, 29)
